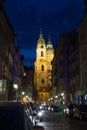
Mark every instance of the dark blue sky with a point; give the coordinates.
(53, 16)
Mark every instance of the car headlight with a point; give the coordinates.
(39, 113)
(40, 107)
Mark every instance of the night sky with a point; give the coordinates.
(53, 16)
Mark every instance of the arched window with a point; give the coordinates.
(42, 81)
(42, 68)
(42, 54)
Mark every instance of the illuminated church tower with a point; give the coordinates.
(43, 67)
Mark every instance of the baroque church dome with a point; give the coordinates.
(49, 47)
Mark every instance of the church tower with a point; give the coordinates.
(43, 67)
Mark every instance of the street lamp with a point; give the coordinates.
(56, 100)
(23, 93)
(63, 97)
(15, 86)
(56, 96)
(62, 94)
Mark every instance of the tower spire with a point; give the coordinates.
(49, 38)
(41, 35)
(49, 41)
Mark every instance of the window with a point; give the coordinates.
(42, 54)
(49, 85)
(6, 71)
(42, 81)
(42, 67)
(42, 46)
(10, 58)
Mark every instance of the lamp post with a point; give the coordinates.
(23, 93)
(56, 100)
(62, 98)
(15, 86)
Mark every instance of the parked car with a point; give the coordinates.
(43, 107)
(14, 117)
(50, 107)
(38, 128)
(38, 116)
(68, 110)
(80, 111)
(55, 108)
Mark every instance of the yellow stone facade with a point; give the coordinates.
(43, 69)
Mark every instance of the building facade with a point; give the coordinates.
(43, 68)
(11, 67)
(82, 34)
(73, 66)
(60, 86)
(28, 83)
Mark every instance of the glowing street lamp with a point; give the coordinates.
(62, 94)
(56, 96)
(15, 86)
(26, 96)
(51, 98)
(23, 93)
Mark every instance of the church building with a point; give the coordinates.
(43, 68)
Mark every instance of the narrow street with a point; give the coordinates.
(56, 121)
